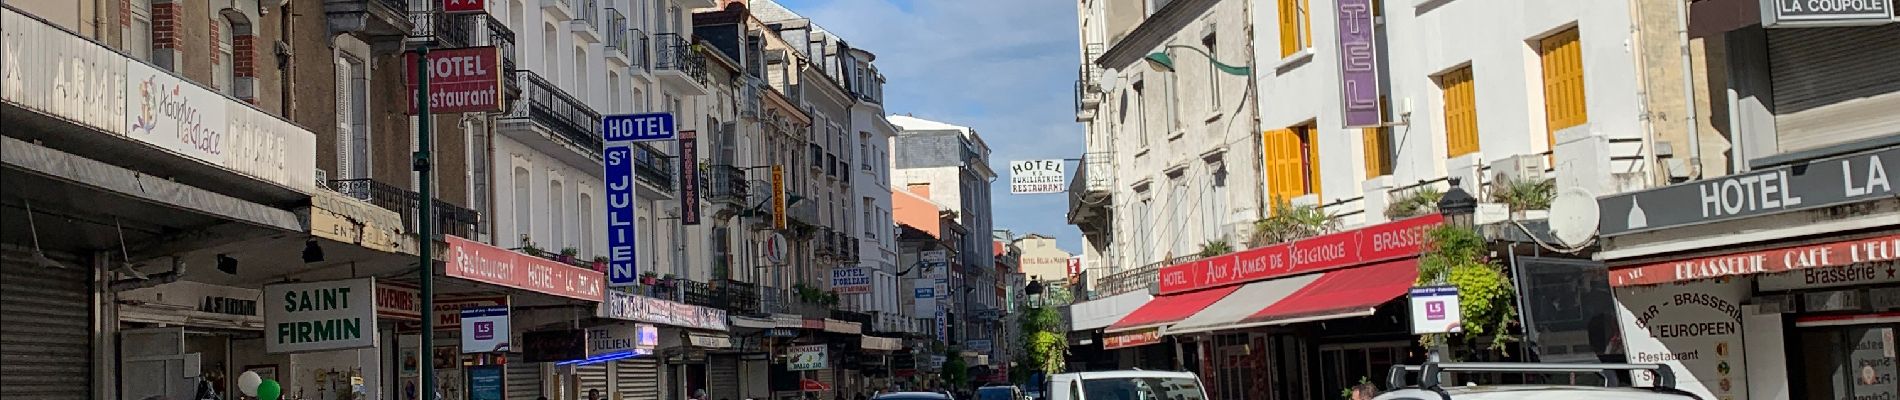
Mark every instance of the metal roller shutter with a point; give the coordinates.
(524, 380)
(1834, 85)
(723, 371)
(638, 379)
(45, 327)
(830, 378)
(592, 376)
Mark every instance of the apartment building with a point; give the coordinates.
(1169, 148)
(949, 164)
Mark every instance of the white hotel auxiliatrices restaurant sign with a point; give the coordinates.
(317, 316)
(1036, 177)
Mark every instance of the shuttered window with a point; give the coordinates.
(1290, 161)
(1296, 31)
(1461, 112)
(1564, 107)
(1377, 143)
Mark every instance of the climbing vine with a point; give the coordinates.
(1459, 257)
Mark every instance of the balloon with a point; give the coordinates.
(269, 390)
(248, 382)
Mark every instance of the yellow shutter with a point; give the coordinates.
(1309, 141)
(1378, 161)
(1306, 23)
(1562, 57)
(1461, 112)
(1284, 177)
(1289, 27)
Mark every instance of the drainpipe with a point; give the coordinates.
(1642, 93)
(1688, 89)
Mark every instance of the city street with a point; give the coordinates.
(886, 200)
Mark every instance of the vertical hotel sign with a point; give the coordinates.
(460, 80)
(618, 131)
(1360, 82)
(778, 196)
(689, 178)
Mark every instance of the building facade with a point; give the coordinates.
(950, 165)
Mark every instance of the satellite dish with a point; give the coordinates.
(1574, 216)
(1110, 77)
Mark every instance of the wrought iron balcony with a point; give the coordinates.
(725, 183)
(639, 50)
(495, 33)
(619, 38)
(652, 166)
(449, 218)
(675, 55)
(557, 111)
(1144, 278)
(376, 20)
(586, 21)
(444, 30)
(1089, 193)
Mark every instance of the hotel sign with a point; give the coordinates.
(1818, 183)
(1393, 240)
(1813, 13)
(1361, 82)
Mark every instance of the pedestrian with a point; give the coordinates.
(593, 394)
(1364, 391)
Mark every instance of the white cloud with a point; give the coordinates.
(1004, 67)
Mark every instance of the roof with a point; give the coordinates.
(1541, 392)
(1131, 374)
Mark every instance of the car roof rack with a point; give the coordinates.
(1430, 373)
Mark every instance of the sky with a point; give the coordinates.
(1003, 67)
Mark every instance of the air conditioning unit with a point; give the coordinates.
(1520, 167)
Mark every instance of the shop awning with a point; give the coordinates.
(1354, 292)
(1244, 303)
(1169, 309)
(1101, 313)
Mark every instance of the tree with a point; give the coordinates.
(1044, 347)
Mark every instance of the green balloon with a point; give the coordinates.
(269, 390)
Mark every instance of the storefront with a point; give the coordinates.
(542, 298)
(687, 339)
(1294, 320)
(1780, 283)
(1086, 339)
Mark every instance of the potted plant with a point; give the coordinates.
(567, 255)
(649, 278)
(668, 280)
(600, 263)
(829, 298)
(527, 246)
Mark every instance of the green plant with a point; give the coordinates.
(1460, 257)
(528, 246)
(1524, 194)
(600, 259)
(1290, 222)
(1346, 393)
(829, 298)
(1216, 247)
(1414, 202)
(955, 370)
(1044, 346)
(649, 275)
(570, 251)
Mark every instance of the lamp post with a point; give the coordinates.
(1162, 61)
(1034, 291)
(1458, 206)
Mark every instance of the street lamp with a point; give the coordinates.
(1458, 206)
(1160, 60)
(1034, 291)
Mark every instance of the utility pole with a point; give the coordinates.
(425, 221)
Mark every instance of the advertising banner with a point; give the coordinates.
(52, 71)
(1693, 327)
(778, 197)
(475, 261)
(689, 178)
(460, 80)
(316, 316)
(622, 263)
(1036, 177)
(851, 280)
(398, 302)
(1798, 258)
(1133, 338)
(1388, 241)
(554, 346)
(485, 330)
(192, 121)
(632, 307)
(485, 382)
(807, 358)
(1435, 310)
(924, 293)
(1360, 83)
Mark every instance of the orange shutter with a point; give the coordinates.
(1564, 107)
(1378, 162)
(1461, 112)
(1309, 141)
(1289, 27)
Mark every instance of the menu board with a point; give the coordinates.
(1872, 358)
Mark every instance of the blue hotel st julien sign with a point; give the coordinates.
(619, 132)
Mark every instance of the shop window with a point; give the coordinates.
(1461, 112)
(1562, 58)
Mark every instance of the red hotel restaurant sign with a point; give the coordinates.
(1868, 250)
(460, 80)
(475, 261)
(1388, 241)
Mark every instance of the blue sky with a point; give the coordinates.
(1004, 67)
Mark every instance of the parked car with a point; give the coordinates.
(1125, 385)
(1429, 385)
(914, 396)
(999, 392)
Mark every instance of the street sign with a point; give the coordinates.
(1036, 177)
(315, 316)
(622, 269)
(1435, 310)
(637, 127)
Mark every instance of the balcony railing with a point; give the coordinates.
(1143, 278)
(650, 165)
(495, 33)
(586, 12)
(638, 51)
(444, 29)
(676, 53)
(449, 218)
(725, 183)
(618, 38)
(553, 108)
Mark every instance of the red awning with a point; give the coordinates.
(1169, 309)
(1352, 292)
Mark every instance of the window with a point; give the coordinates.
(1213, 73)
(1292, 160)
(1461, 112)
(138, 35)
(1214, 202)
(1378, 145)
(613, 92)
(1172, 96)
(1141, 115)
(582, 85)
(585, 221)
(550, 41)
(352, 117)
(225, 78)
(557, 215)
(1178, 211)
(1296, 30)
(1144, 230)
(1564, 107)
(524, 210)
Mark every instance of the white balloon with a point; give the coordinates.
(248, 382)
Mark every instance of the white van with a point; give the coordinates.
(1125, 385)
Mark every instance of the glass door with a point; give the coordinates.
(1847, 362)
